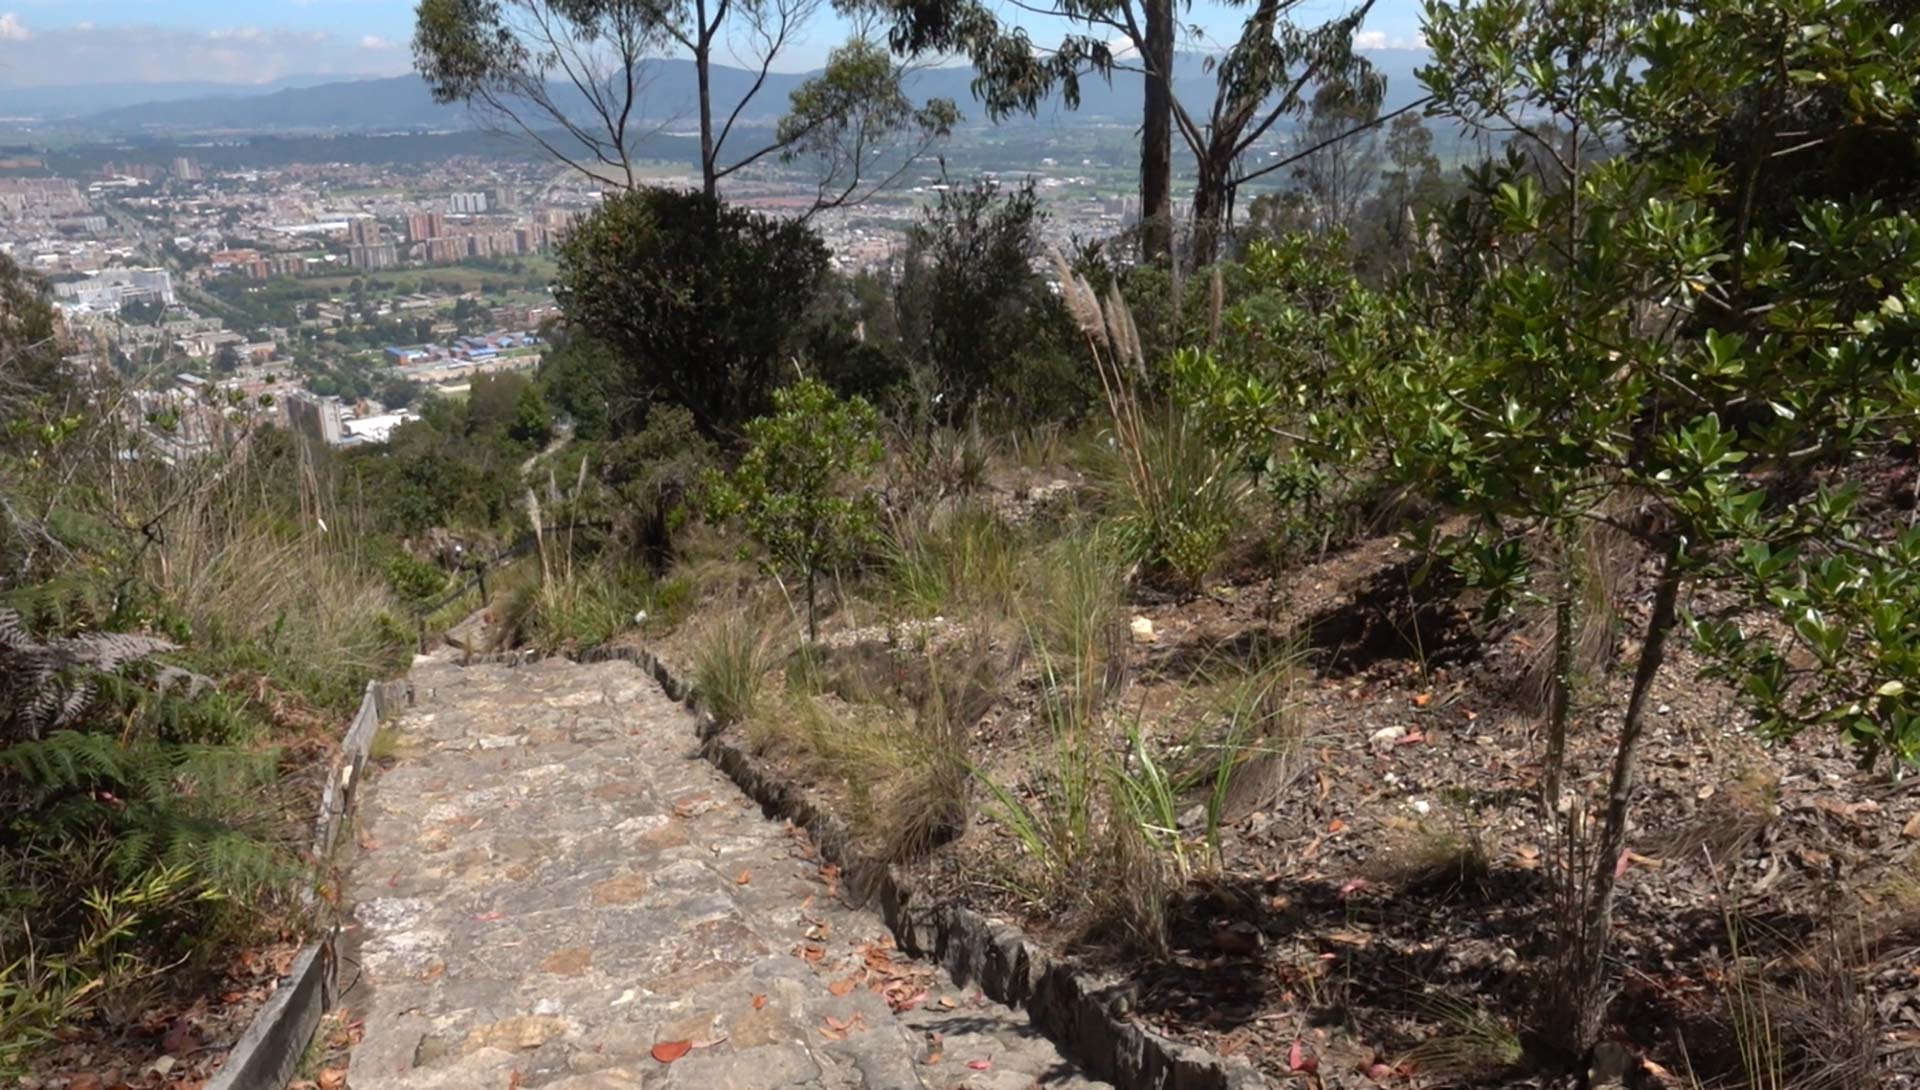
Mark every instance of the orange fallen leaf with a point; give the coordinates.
(947, 1002)
(1335, 825)
(1422, 700)
(759, 1002)
(933, 1058)
(841, 986)
(331, 1078)
(668, 1051)
(746, 876)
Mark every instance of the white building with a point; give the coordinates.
(467, 203)
(110, 289)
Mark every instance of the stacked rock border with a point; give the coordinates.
(1081, 1016)
(267, 1054)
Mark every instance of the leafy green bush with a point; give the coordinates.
(700, 299)
(795, 490)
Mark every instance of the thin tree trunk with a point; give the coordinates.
(703, 70)
(1560, 697)
(1591, 994)
(813, 624)
(1156, 135)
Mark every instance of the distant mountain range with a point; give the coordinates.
(400, 103)
(61, 103)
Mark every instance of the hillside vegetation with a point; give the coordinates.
(1468, 634)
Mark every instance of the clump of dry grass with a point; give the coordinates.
(1604, 559)
(1441, 856)
(1729, 821)
(1471, 1045)
(1799, 1023)
(731, 659)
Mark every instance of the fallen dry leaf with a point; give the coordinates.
(1299, 1059)
(980, 1065)
(489, 917)
(759, 1002)
(331, 1078)
(841, 986)
(668, 1051)
(746, 876)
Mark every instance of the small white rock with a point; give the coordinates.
(1421, 806)
(1387, 736)
(1142, 630)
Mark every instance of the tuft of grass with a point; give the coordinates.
(386, 745)
(1731, 821)
(1800, 1023)
(1429, 856)
(1472, 1045)
(1178, 511)
(904, 776)
(730, 665)
(1076, 585)
(944, 561)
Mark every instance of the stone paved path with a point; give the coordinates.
(550, 882)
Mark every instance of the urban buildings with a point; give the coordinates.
(111, 289)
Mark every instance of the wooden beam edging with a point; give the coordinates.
(268, 1053)
(1073, 1010)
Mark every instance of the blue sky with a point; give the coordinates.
(52, 42)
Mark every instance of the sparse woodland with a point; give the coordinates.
(1463, 632)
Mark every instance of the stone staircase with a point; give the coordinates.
(551, 888)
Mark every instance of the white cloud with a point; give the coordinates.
(1370, 39)
(59, 56)
(375, 41)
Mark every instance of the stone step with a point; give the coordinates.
(551, 882)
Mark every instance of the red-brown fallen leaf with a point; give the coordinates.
(1335, 825)
(668, 1051)
(980, 1065)
(746, 876)
(841, 986)
(759, 1002)
(1422, 700)
(1298, 1059)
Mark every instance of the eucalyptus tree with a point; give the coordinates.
(573, 76)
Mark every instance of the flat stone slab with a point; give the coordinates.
(550, 882)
